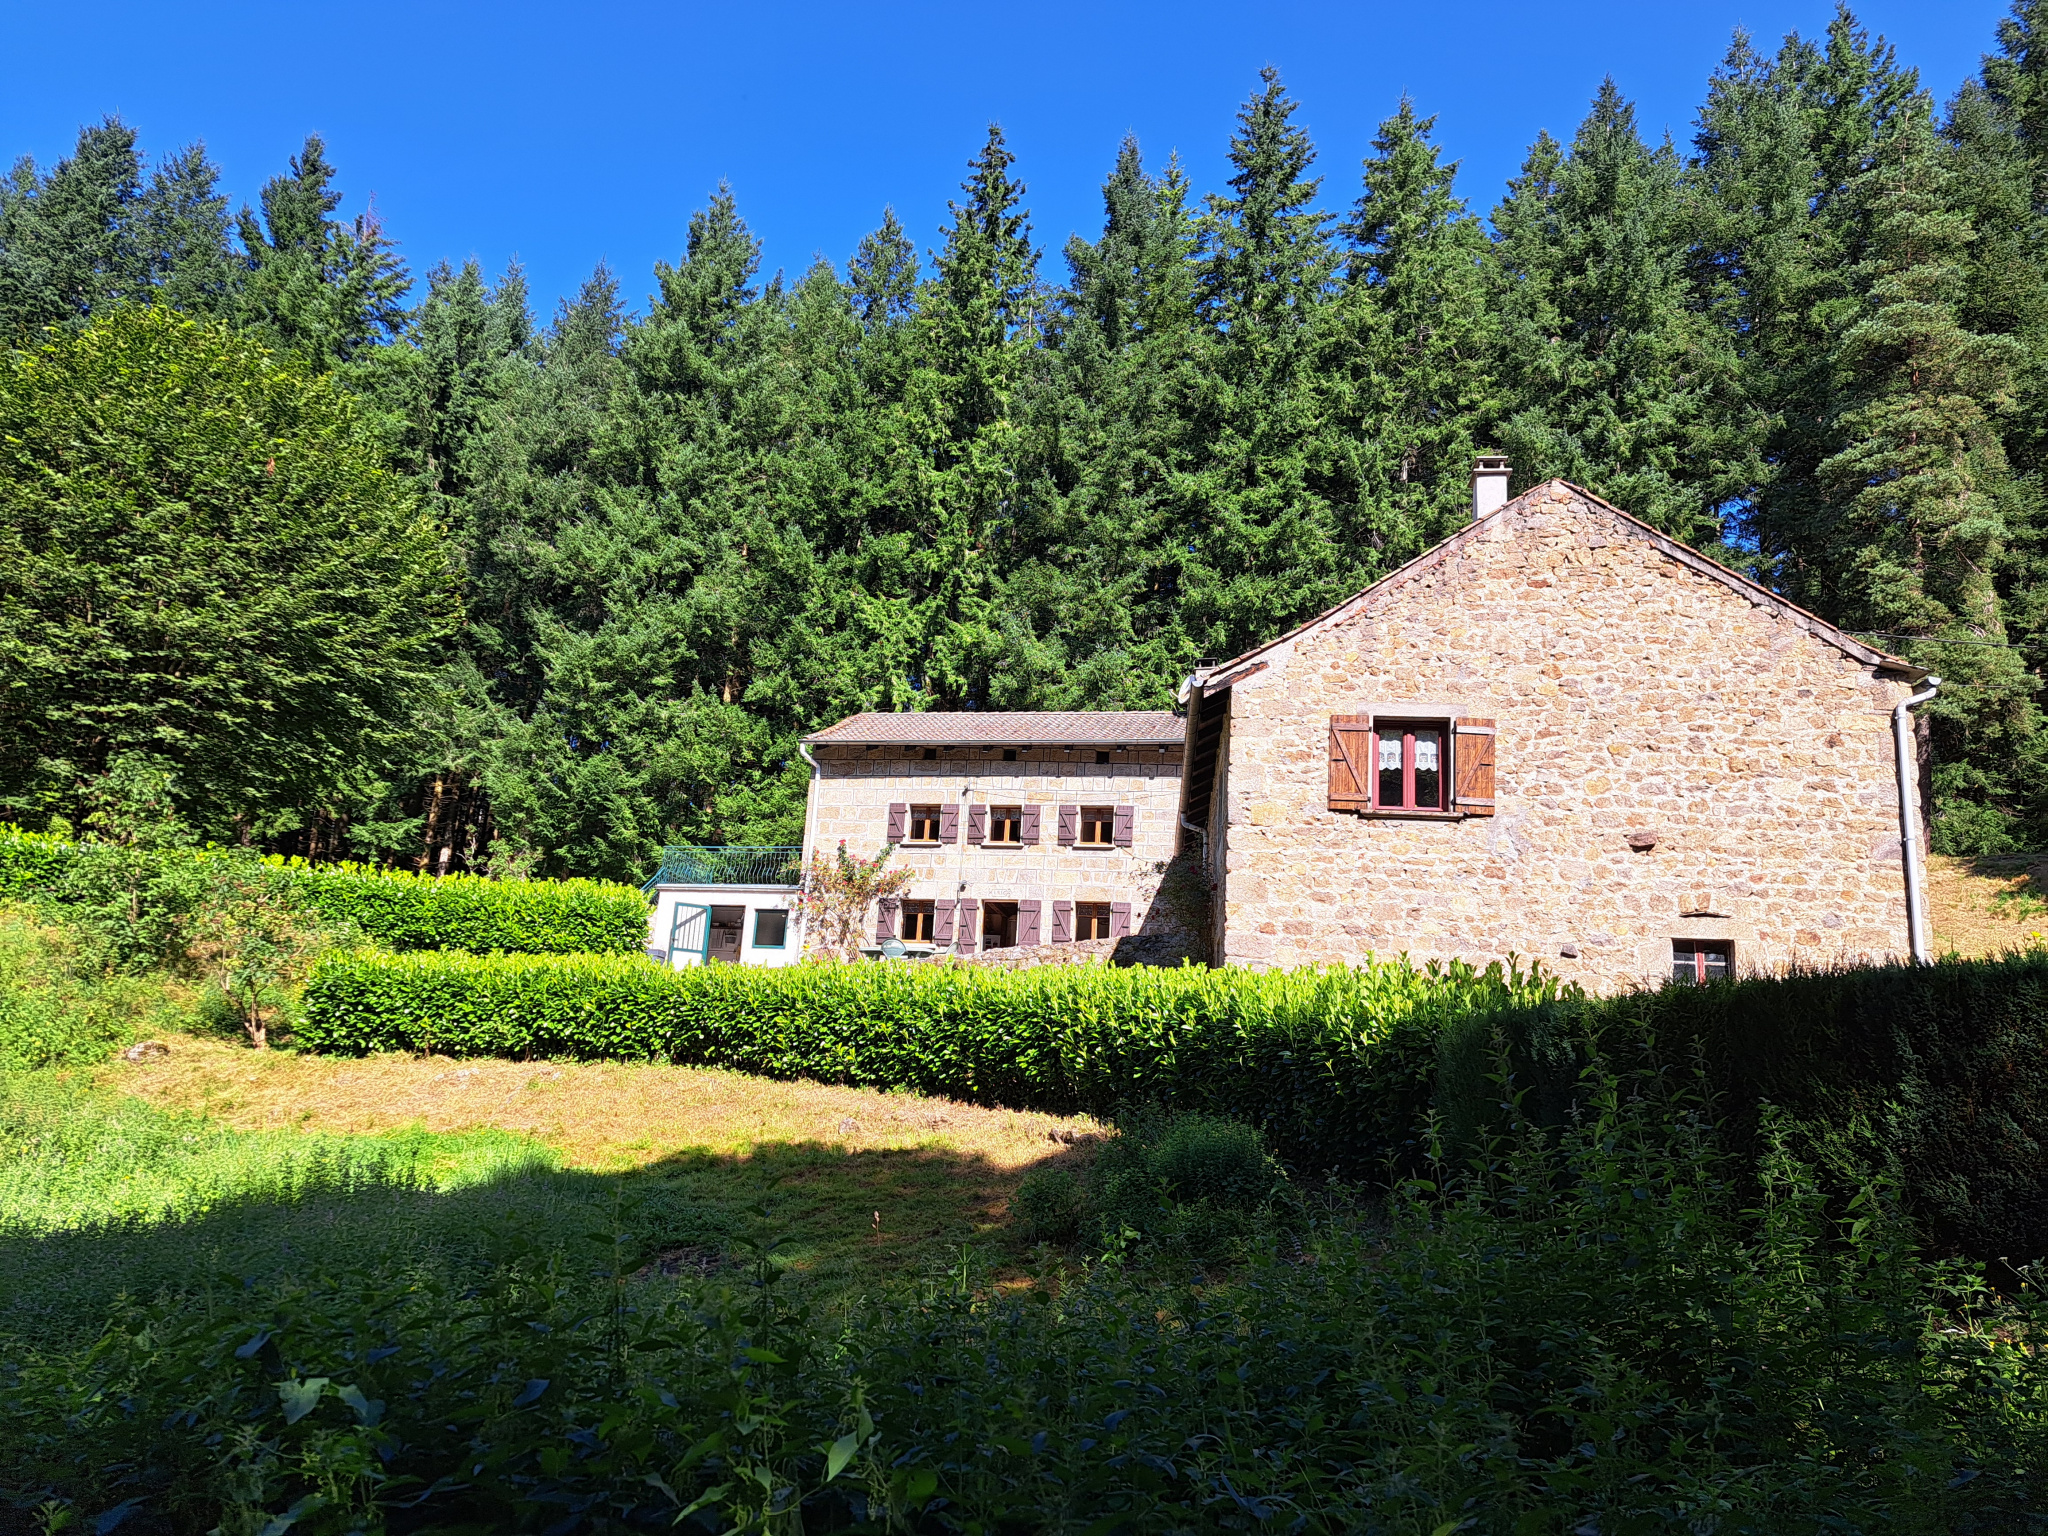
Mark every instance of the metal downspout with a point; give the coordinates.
(1909, 820)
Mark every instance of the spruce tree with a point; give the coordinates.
(1914, 534)
(67, 247)
(314, 285)
(181, 231)
(1409, 367)
(1256, 512)
(977, 324)
(1614, 376)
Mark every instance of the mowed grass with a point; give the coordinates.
(861, 1186)
(1984, 907)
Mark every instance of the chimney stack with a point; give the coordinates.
(1489, 484)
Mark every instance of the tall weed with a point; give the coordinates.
(1585, 1331)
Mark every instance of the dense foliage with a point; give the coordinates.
(1603, 1334)
(206, 562)
(1811, 342)
(401, 910)
(1334, 1066)
(143, 896)
(1934, 1078)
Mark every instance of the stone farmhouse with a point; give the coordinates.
(1563, 736)
(1559, 735)
(1026, 830)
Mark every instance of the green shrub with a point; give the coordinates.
(1334, 1066)
(1603, 1335)
(57, 1007)
(406, 911)
(1935, 1077)
(1047, 1206)
(1191, 1185)
(30, 862)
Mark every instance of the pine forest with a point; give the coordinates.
(368, 567)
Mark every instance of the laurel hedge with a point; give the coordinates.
(395, 907)
(405, 911)
(1335, 1065)
(1934, 1078)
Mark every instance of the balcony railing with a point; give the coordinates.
(727, 866)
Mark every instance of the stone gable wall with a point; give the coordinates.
(855, 788)
(1630, 694)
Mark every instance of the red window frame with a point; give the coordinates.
(1408, 728)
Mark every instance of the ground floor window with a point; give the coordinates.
(1702, 960)
(999, 925)
(771, 929)
(1092, 920)
(918, 922)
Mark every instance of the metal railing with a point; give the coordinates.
(727, 866)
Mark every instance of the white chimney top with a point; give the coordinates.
(1489, 484)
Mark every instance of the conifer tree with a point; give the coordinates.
(977, 325)
(1410, 364)
(1099, 591)
(181, 232)
(1614, 377)
(314, 285)
(1915, 536)
(66, 243)
(1265, 548)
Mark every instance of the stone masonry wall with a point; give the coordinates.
(856, 786)
(1631, 693)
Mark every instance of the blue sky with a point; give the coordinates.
(569, 134)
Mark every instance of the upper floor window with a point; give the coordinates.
(924, 824)
(1006, 824)
(1439, 767)
(1408, 765)
(1097, 827)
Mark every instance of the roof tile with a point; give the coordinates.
(974, 728)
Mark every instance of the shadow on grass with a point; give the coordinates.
(849, 1221)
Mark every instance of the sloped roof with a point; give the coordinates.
(1009, 728)
(1217, 678)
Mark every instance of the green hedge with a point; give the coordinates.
(1936, 1076)
(1334, 1065)
(397, 908)
(402, 910)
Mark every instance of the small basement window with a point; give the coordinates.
(1006, 824)
(924, 824)
(999, 925)
(1092, 920)
(1698, 961)
(1410, 765)
(1098, 826)
(771, 929)
(918, 920)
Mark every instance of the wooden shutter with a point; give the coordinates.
(1126, 818)
(977, 824)
(949, 823)
(942, 922)
(1070, 825)
(1472, 767)
(1350, 762)
(1063, 922)
(898, 814)
(1028, 834)
(885, 920)
(1120, 920)
(1027, 925)
(969, 929)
